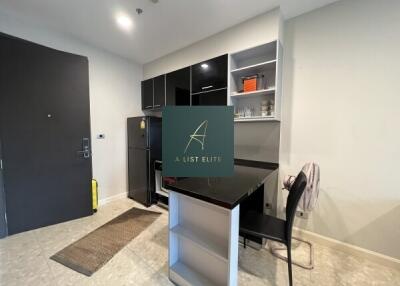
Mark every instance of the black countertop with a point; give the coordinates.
(227, 192)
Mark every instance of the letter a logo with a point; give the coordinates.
(199, 135)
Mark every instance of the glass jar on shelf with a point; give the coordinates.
(267, 108)
(264, 108)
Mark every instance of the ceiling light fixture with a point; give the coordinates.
(204, 66)
(124, 22)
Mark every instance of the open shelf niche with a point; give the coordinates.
(266, 62)
(199, 239)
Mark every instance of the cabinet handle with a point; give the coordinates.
(206, 87)
(157, 105)
(149, 106)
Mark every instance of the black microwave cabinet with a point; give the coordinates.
(210, 75)
(153, 93)
(178, 87)
(213, 98)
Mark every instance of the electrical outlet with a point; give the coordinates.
(302, 214)
(299, 214)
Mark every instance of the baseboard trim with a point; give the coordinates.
(348, 248)
(116, 197)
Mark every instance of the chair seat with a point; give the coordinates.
(264, 226)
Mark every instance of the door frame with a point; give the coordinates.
(3, 213)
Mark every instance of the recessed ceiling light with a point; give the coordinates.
(124, 22)
(204, 66)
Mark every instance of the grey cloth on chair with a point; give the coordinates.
(311, 192)
(306, 203)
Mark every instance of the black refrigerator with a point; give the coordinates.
(144, 147)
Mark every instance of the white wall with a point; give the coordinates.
(256, 31)
(250, 143)
(341, 108)
(114, 96)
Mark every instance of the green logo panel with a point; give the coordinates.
(197, 141)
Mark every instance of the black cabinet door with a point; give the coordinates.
(147, 94)
(214, 97)
(178, 87)
(210, 74)
(159, 91)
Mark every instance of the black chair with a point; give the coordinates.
(269, 227)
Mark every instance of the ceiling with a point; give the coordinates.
(161, 29)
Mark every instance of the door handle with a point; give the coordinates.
(207, 87)
(85, 153)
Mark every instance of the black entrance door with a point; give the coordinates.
(44, 129)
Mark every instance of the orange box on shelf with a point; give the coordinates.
(250, 84)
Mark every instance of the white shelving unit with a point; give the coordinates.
(182, 274)
(253, 93)
(256, 118)
(264, 60)
(203, 242)
(256, 68)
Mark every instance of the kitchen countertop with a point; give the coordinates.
(227, 192)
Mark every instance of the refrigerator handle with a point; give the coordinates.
(148, 132)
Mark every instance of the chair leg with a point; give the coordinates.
(244, 242)
(289, 255)
(274, 250)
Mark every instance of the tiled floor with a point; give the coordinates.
(24, 259)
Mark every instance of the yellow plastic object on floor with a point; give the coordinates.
(95, 195)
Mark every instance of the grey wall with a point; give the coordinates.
(256, 31)
(341, 108)
(257, 141)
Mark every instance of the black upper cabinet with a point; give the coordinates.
(210, 74)
(209, 86)
(159, 91)
(178, 87)
(147, 94)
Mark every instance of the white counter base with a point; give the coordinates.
(203, 242)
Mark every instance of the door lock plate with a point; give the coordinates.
(85, 152)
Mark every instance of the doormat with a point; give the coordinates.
(90, 253)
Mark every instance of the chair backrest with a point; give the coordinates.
(295, 193)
